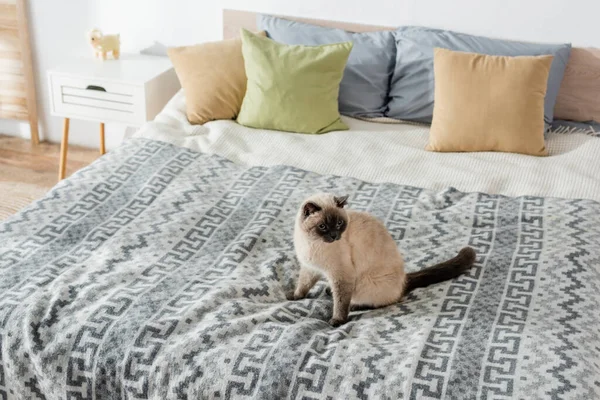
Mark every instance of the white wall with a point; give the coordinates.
(58, 27)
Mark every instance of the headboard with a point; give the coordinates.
(577, 96)
(233, 20)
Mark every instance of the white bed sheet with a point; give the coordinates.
(380, 152)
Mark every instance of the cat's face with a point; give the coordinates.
(324, 217)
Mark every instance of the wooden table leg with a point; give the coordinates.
(63, 150)
(102, 149)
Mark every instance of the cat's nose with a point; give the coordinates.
(334, 235)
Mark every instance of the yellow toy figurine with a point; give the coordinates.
(103, 44)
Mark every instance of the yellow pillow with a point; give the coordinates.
(213, 78)
(489, 103)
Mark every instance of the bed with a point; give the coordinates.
(163, 269)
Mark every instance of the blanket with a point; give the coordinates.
(160, 272)
(384, 152)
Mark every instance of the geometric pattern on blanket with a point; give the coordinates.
(158, 272)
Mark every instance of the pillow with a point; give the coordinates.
(579, 94)
(291, 87)
(489, 103)
(412, 87)
(364, 88)
(213, 78)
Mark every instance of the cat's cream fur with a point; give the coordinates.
(364, 267)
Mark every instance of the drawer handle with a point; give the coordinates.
(98, 88)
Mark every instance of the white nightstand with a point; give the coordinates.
(131, 91)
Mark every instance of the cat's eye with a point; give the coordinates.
(322, 227)
(339, 223)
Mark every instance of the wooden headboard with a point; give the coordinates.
(577, 99)
(233, 20)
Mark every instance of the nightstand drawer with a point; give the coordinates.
(97, 99)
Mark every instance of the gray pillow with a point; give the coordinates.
(364, 87)
(412, 85)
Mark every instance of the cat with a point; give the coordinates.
(359, 258)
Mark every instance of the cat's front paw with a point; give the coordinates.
(335, 322)
(294, 296)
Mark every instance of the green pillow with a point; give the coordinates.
(291, 87)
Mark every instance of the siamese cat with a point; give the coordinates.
(359, 258)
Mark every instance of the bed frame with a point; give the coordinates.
(233, 20)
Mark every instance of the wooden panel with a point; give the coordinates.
(234, 20)
(14, 94)
(11, 66)
(25, 49)
(18, 115)
(9, 32)
(579, 94)
(14, 100)
(8, 24)
(13, 111)
(8, 11)
(10, 55)
(13, 78)
(9, 86)
(17, 91)
(9, 41)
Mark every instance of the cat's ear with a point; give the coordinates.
(310, 208)
(341, 201)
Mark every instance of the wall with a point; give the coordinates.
(58, 27)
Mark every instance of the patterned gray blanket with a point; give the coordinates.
(159, 272)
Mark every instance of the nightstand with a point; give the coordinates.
(130, 91)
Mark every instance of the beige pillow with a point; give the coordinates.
(489, 103)
(213, 78)
(579, 95)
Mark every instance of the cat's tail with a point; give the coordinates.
(441, 272)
